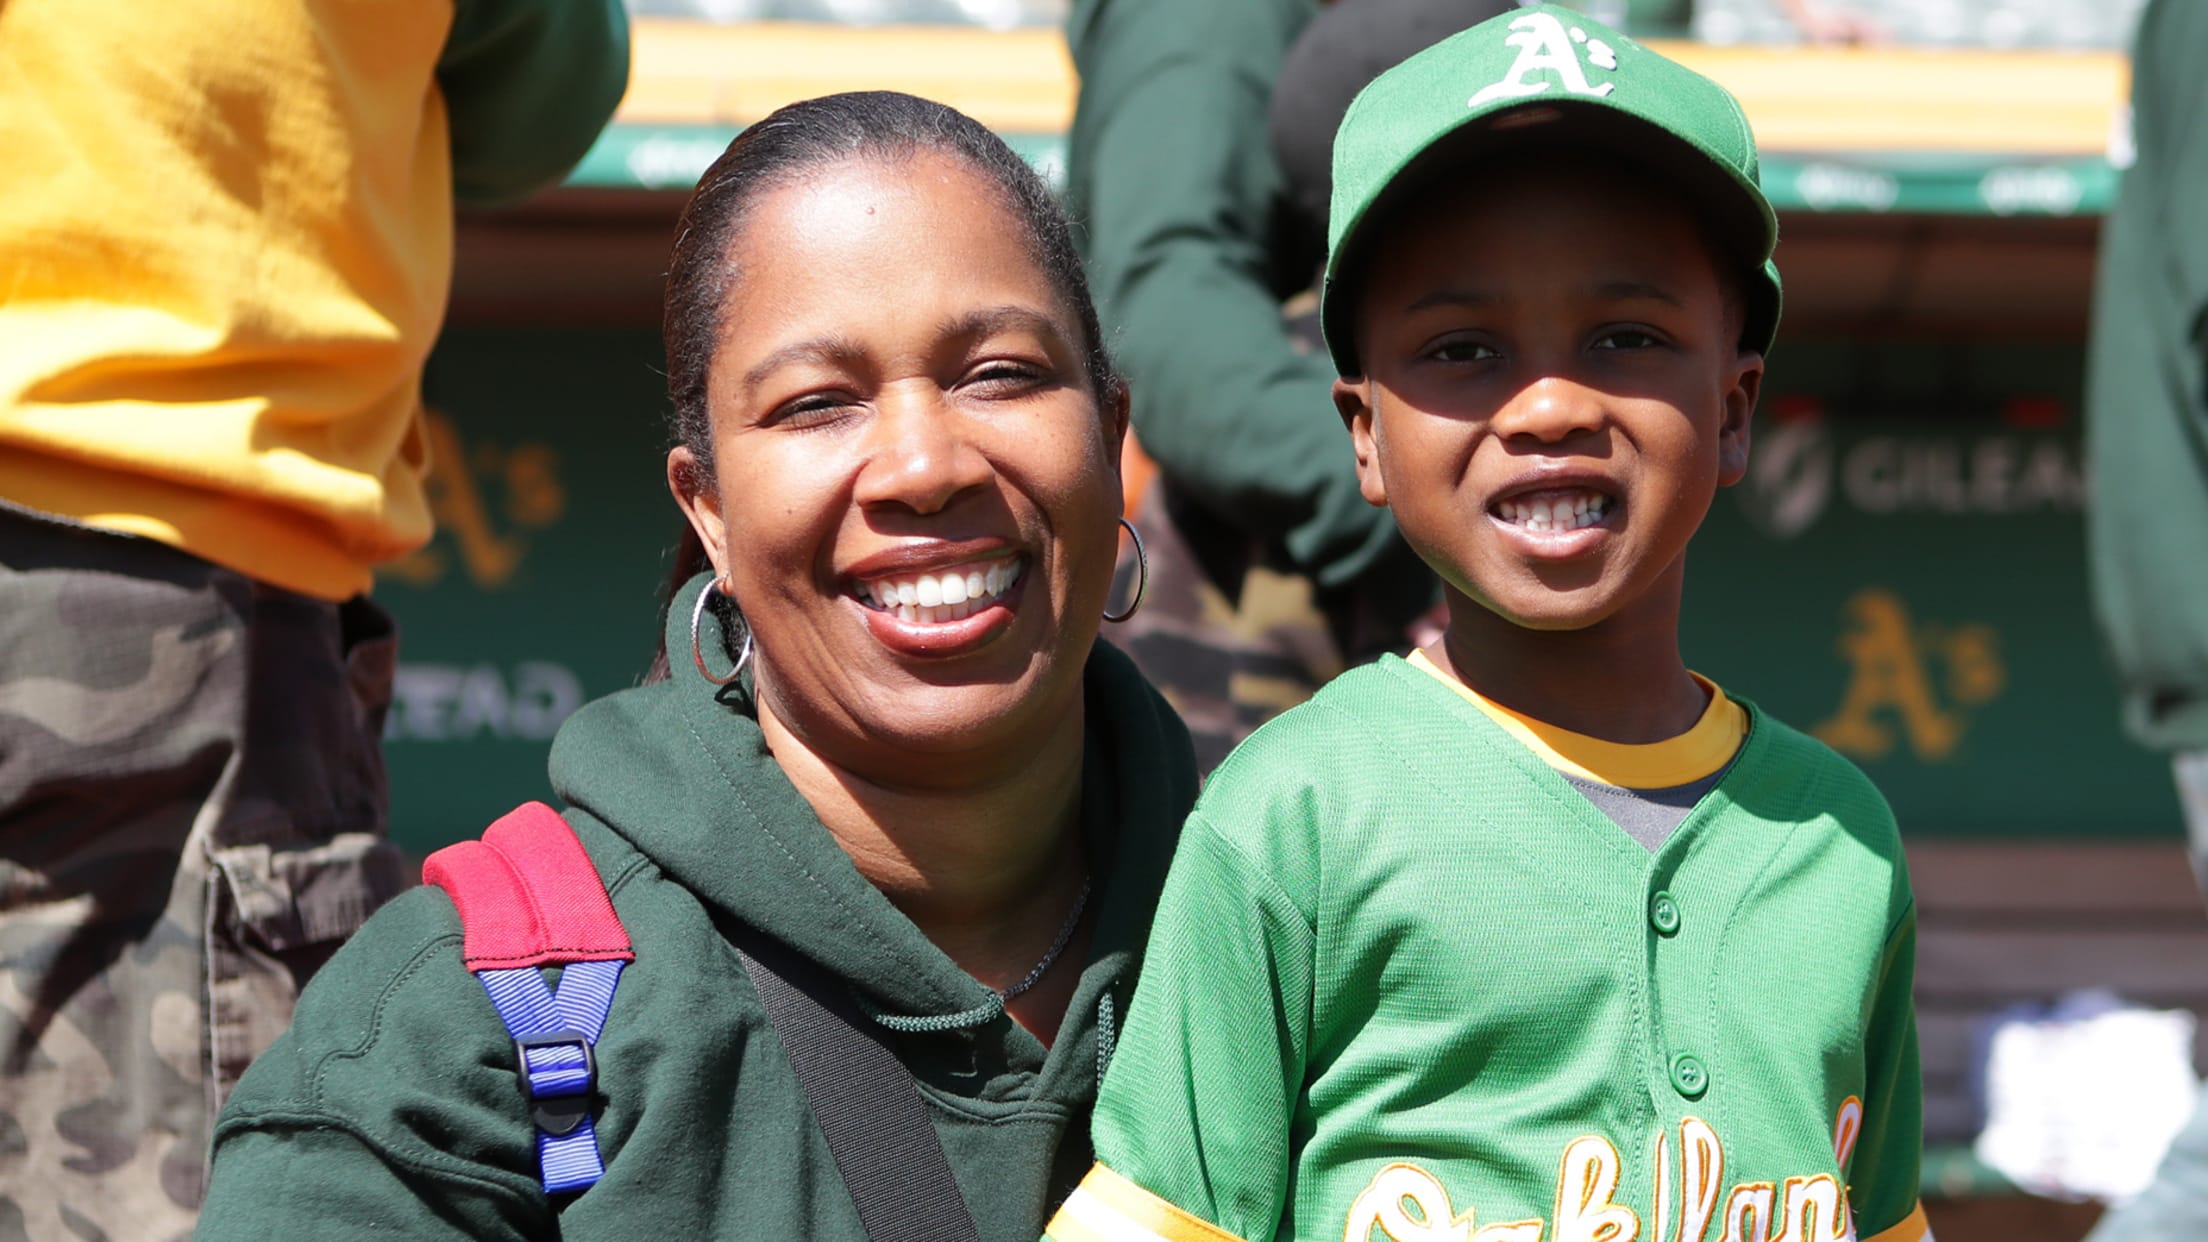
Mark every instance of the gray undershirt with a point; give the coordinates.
(1649, 816)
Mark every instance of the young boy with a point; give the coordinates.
(1535, 936)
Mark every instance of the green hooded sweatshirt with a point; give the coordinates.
(391, 1106)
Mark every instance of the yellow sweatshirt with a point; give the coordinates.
(225, 245)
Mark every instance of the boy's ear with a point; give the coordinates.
(1740, 410)
(1353, 400)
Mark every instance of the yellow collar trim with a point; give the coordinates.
(1701, 751)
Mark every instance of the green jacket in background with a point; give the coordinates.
(2147, 392)
(390, 1108)
(1268, 574)
(1192, 248)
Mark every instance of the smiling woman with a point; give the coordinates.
(889, 767)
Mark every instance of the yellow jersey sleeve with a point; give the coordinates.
(1913, 1228)
(1106, 1207)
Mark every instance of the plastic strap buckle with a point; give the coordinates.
(558, 1083)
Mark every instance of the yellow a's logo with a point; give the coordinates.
(527, 478)
(1892, 689)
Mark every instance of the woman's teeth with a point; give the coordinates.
(933, 599)
(1555, 513)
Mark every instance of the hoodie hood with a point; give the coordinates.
(680, 770)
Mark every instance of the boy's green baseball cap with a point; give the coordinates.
(1541, 78)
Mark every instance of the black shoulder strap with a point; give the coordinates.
(865, 1100)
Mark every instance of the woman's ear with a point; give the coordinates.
(1118, 411)
(692, 486)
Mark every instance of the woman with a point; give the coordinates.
(897, 428)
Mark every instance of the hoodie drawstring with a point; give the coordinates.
(935, 1023)
(1107, 1023)
(1107, 1034)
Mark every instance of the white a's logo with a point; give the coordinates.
(1544, 44)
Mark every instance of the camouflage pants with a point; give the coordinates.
(1230, 638)
(191, 819)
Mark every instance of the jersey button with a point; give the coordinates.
(1663, 914)
(1688, 1076)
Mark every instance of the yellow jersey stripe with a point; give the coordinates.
(1067, 1227)
(1106, 1207)
(1913, 1228)
(1701, 751)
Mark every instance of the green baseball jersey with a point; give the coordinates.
(1405, 982)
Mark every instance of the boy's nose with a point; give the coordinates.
(1549, 410)
(918, 456)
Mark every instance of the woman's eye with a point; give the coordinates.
(1627, 338)
(1004, 378)
(810, 410)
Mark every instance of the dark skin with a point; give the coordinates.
(899, 393)
(1554, 392)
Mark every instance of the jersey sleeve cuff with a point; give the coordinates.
(1106, 1207)
(1913, 1228)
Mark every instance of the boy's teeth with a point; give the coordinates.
(933, 599)
(1558, 513)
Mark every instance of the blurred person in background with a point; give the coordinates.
(225, 244)
(1269, 573)
(2147, 444)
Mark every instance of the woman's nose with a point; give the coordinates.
(921, 456)
(1550, 410)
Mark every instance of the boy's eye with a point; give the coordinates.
(1462, 351)
(1627, 338)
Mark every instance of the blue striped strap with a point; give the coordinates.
(555, 1034)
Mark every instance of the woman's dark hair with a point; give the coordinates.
(795, 140)
(829, 130)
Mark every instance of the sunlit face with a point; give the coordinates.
(1554, 389)
(916, 492)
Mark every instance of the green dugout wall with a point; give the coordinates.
(1902, 573)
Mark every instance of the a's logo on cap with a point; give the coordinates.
(1544, 45)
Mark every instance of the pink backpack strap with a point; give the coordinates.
(528, 895)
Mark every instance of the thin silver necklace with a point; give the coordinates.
(1058, 946)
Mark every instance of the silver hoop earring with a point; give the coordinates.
(697, 649)
(1142, 575)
